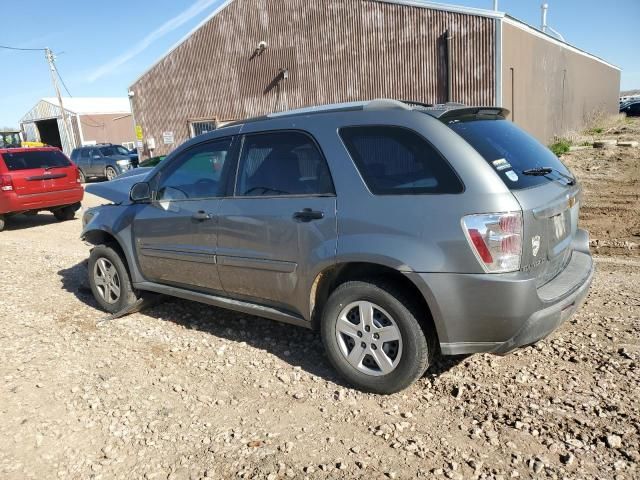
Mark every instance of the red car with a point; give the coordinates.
(34, 179)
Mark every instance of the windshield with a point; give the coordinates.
(35, 159)
(509, 150)
(114, 150)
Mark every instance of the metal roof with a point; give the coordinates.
(92, 105)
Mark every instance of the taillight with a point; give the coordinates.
(6, 184)
(496, 240)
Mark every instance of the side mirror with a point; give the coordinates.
(140, 192)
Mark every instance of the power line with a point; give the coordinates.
(6, 47)
(97, 124)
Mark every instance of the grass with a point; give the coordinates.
(560, 146)
(594, 131)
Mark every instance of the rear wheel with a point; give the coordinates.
(110, 173)
(2, 222)
(65, 213)
(109, 279)
(373, 337)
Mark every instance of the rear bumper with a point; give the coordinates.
(10, 202)
(499, 313)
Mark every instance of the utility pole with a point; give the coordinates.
(51, 59)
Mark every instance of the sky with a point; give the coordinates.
(102, 47)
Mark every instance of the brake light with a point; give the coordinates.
(496, 240)
(6, 183)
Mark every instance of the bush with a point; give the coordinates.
(560, 146)
(594, 131)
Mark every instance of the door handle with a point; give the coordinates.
(308, 215)
(201, 215)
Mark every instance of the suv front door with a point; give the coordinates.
(280, 223)
(176, 233)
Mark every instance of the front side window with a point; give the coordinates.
(114, 150)
(282, 163)
(395, 160)
(197, 173)
(84, 153)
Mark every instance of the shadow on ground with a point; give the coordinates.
(294, 345)
(19, 222)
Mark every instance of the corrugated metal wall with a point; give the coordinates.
(551, 89)
(334, 51)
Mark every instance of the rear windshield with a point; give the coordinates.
(35, 159)
(509, 150)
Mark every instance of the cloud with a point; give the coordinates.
(167, 27)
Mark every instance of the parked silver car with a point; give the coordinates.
(398, 231)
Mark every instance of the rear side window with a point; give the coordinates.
(35, 159)
(509, 150)
(282, 163)
(396, 160)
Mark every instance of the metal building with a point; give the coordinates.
(252, 57)
(89, 120)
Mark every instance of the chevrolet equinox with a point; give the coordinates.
(397, 230)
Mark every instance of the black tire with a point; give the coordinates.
(83, 179)
(128, 296)
(417, 345)
(2, 222)
(65, 213)
(110, 173)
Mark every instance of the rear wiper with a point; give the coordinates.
(542, 171)
(49, 167)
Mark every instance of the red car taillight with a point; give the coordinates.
(6, 184)
(496, 240)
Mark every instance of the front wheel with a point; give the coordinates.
(109, 280)
(111, 173)
(373, 337)
(2, 222)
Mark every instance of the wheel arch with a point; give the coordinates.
(102, 236)
(333, 276)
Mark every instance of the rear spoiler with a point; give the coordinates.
(479, 112)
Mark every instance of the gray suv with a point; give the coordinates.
(104, 160)
(397, 230)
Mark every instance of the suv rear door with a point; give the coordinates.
(38, 171)
(280, 223)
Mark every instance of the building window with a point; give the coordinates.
(128, 145)
(202, 126)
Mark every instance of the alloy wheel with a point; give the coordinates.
(369, 338)
(107, 280)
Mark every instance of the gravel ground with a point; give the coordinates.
(184, 390)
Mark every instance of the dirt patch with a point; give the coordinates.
(611, 182)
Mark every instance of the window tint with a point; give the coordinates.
(283, 163)
(509, 150)
(84, 153)
(198, 173)
(94, 152)
(35, 159)
(114, 150)
(395, 160)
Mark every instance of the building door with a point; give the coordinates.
(280, 222)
